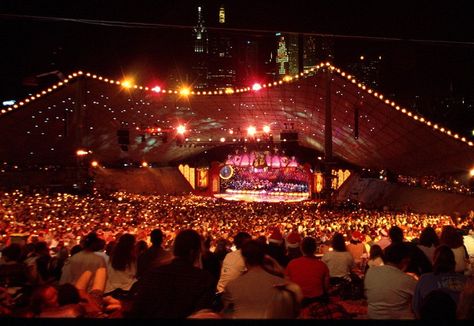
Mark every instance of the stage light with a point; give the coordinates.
(156, 89)
(256, 87)
(229, 90)
(231, 132)
(94, 164)
(81, 152)
(222, 139)
(184, 91)
(251, 131)
(126, 84)
(266, 129)
(181, 129)
(471, 173)
(145, 164)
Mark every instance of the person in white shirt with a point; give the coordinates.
(233, 265)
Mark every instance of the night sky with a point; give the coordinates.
(416, 61)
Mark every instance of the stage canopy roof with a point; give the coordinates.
(86, 111)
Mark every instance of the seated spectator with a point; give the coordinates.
(443, 277)
(357, 248)
(428, 242)
(276, 247)
(252, 294)
(419, 263)
(177, 289)
(293, 242)
(13, 273)
(376, 256)
(210, 262)
(454, 240)
(339, 260)
(155, 255)
(233, 264)
(389, 290)
(86, 260)
(437, 305)
(311, 274)
(122, 267)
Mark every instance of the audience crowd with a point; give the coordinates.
(129, 255)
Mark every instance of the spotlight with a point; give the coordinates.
(156, 89)
(94, 164)
(256, 87)
(181, 129)
(471, 173)
(266, 129)
(81, 152)
(251, 131)
(145, 164)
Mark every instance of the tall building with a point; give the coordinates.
(298, 52)
(200, 54)
(221, 60)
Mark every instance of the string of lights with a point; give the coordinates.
(186, 91)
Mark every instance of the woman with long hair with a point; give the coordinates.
(122, 266)
(454, 240)
(339, 261)
(428, 242)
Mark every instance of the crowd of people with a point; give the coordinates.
(447, 184)
(131, 255)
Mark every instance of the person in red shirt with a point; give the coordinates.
(310, 273)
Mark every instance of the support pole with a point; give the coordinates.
(328, 161)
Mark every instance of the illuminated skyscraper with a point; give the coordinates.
(221, 67)
(298, 52)
(200, 54)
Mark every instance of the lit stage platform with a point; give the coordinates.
(263, 196)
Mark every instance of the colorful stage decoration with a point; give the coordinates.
(262, 176)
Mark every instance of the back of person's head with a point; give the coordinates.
(240, 238)
(75, 249)
(253, 252)
(91, 241)
(395, 234)
(12, 252)
(428, 237)
(123, 254)
(376, 251)
(44, 296)
(451, 237)
(443, 260)
(308, 246)
(396, 252)
(68, 294)
(338, 243)
(41, 247)
(438, 305)
(187, 244)
(156, 237)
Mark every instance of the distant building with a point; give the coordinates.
(200, 53)
(367, 69)
(298, 52)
